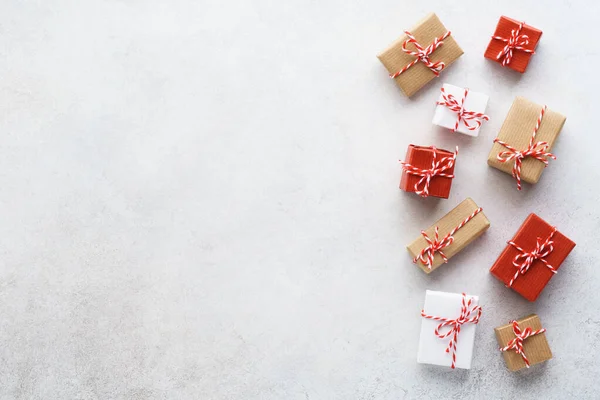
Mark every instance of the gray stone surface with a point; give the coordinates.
(199, 201)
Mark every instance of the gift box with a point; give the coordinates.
(448, 329)
(523, 145)
(513, 44)
(523, 343)
(455, 231)
(460, 110)
(532, 257)
(428, 171)
(420, 54)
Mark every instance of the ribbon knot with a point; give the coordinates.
(438, 168)
(516, 41)
(525, 259)
(463, 115)
(537, 150)
(516, 344)
(467, 315)
(422, 54)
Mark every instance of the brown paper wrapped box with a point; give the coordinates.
(535, 347)
(417, 76)
(517, 130)
(470, 231)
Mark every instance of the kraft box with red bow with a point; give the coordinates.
(513, 44)
(420, 54)
(460, 110)
(532, 257)
(448, 329)
(523, 343)
(523, 145)
(428, 171)
(448, 236)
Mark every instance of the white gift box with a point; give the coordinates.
(445, 117)
(432, 349)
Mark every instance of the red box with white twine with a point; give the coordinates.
(532, 257)
(513, 44)
(428, 171)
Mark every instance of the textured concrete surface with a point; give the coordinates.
(199, 201)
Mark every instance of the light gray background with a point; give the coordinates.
(199, 201)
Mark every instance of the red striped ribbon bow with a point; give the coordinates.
(438, 168)
(537, 150)
(426, 255)
(467, 315)
(517, 343)
(422, 54)
(524, 260)
(515, 41)
(459, 107)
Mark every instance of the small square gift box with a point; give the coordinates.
(455, 231)
(420, 54)
(428, 171)
(460, 110)
(532, 257)
(448, 329)
(523, 145)
(513, 44)
(523, 343)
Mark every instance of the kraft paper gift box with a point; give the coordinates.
(535, 348)
(421, 158)
(440, 308)
(418, 75)
(460, 110)
(538, 249)
(524, 36)
(517, 131)
(471, 223)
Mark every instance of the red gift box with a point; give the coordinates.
(532, 257)
(422, 163)
(513, 44)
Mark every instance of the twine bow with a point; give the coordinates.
(467, 315)
(422, 54)
(537, 150)
(438, 168)
(428, 253)
(516, 344)
(463, 115)
(524, 260)
(515, 41)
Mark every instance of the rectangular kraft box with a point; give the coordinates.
(462, 238)
(517, 130)
(531, 284)
(535, 347)
(417, 76)
(422, 157)
(520, 59)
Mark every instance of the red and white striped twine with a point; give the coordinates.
(467, 315)
(516, 344)
(438, 168)
(426, 255)
(524, 260)
(465, 115)
(422, 54)
(537, 150)
(516, 41)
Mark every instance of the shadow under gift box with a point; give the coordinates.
(530, 284)
(520, 59)
(417, 76)
(535, 347)
(422, 157)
